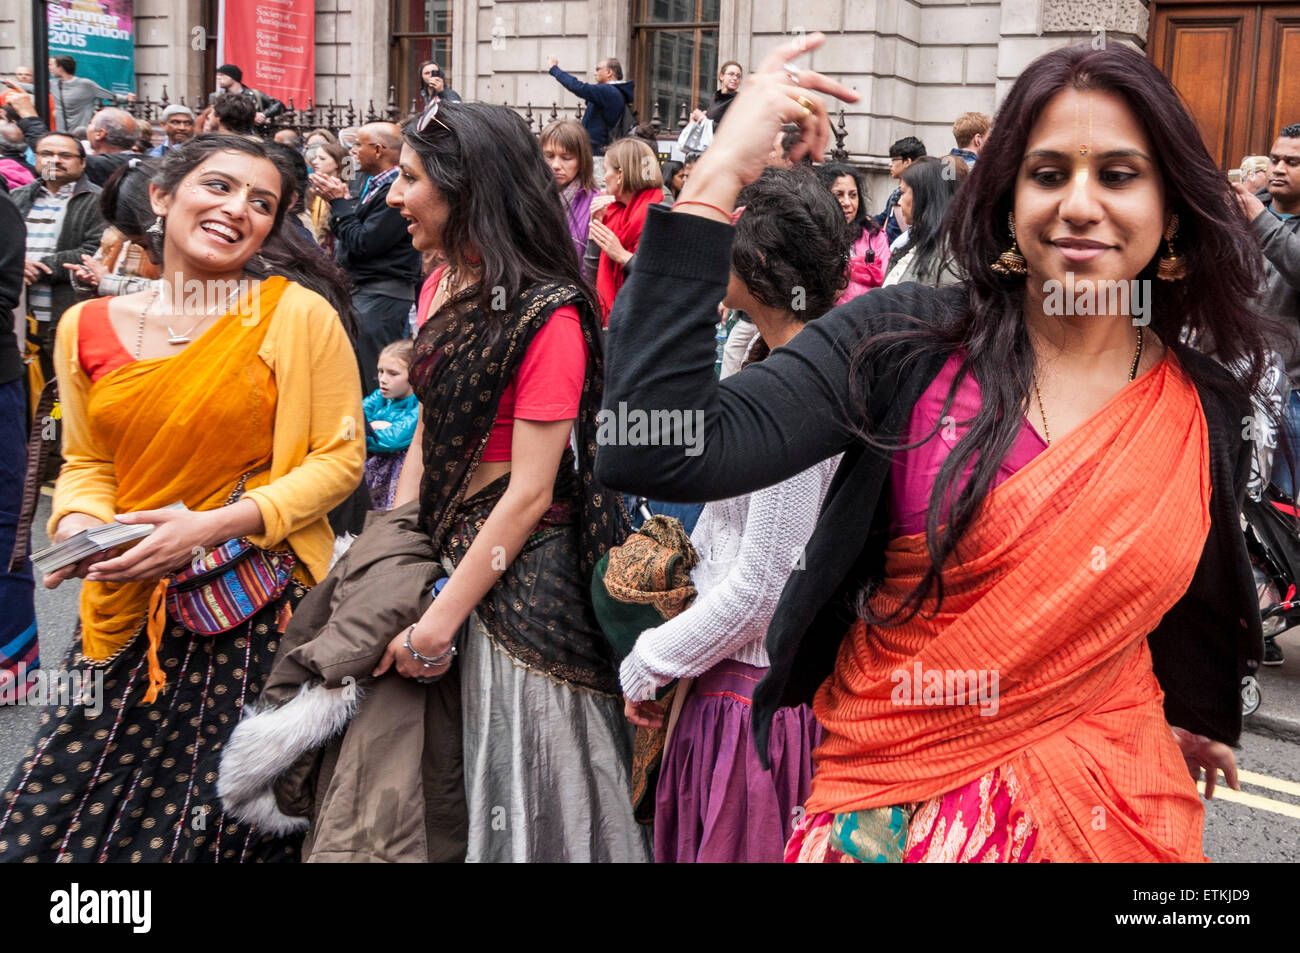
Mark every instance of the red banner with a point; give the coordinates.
(273, 42)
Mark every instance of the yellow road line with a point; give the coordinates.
(1224, 793)
(1264, 781)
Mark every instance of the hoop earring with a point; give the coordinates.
(156, 228)
(1011, 262)
(1172, 266)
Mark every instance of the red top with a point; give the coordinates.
(626, 222)
(98, 346)
(548, 384)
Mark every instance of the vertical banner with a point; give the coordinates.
(273, 42)
(99, 35)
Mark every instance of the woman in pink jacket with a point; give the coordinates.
(869, 256)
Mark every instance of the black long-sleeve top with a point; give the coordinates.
(13, 242)
(794, 409)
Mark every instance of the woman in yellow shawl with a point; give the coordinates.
(225, 381)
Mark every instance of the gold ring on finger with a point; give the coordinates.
(808, 105)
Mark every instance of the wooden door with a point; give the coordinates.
(1277, 77)
(1236, 65)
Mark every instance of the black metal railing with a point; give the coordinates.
(335, 116)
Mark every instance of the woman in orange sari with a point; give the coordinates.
(1027, 605)
(234, 392)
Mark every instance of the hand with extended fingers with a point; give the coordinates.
(1209, 757)
(775, 94)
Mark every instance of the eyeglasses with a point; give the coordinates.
(732, 74)
(429, 115)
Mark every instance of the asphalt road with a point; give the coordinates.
(1262, 823)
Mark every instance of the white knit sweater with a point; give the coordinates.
(748, 547)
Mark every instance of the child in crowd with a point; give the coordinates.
(392, 412)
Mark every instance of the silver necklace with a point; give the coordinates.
(184, 338)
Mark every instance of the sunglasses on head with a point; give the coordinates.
(430, 115)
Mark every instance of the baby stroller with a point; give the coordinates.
(1271, 523)
(1273, 540)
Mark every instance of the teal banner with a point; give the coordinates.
(100, 36)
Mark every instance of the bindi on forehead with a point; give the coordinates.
(1088, 122)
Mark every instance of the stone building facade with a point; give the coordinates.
(916, 63)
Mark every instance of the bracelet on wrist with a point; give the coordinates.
(429, 661)
(717, 208)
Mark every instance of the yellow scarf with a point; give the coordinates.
(180, 428)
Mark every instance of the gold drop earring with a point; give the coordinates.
(1011, 262)
(1172, 266)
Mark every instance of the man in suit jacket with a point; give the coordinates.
(372, 244)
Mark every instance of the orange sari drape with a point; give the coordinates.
(180, 428)
(1072, 563)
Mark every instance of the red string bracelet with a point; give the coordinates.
(718, 209)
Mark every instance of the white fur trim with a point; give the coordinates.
(341, 545)
(267, 742)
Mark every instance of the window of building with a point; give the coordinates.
(421, 31)
(675, 56)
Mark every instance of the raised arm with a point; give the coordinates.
(722, 439)
(1280, 245)
(743, 434)
(589, 91)
(377, 234)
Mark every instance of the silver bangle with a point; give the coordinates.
(428, 661)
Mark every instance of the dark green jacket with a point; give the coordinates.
(82, 228)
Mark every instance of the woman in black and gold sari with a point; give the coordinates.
(507, 365)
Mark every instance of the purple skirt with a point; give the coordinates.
(382, 472)
(714, 802)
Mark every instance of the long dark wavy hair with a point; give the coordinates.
(861, 222)
(504, 205)
(935, 183)
(1211, 305)
(124, 203)
(285, 252)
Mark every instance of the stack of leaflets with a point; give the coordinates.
(88, 542)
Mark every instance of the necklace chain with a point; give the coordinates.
(1132, 375)
(173, 337)
(185, 337)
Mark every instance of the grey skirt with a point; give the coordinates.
(546, 764)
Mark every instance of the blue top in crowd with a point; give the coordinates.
(605, 104)
(401, 417)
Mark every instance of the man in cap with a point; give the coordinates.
(230, 79)
(178, 123)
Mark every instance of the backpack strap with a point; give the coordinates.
(627, 104)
